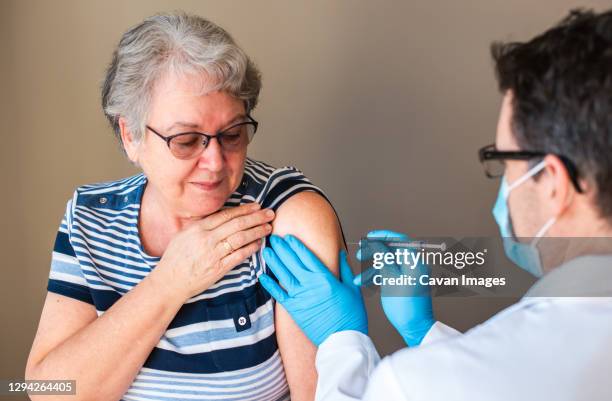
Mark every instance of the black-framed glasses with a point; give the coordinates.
(188, 145)
(493, 161)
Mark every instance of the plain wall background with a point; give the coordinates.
(382, 104)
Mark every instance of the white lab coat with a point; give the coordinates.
(542, 348)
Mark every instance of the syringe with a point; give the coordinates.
(418, 244)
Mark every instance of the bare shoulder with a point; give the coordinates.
(305, 212)
(311, 218)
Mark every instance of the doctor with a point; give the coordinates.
(553, 151)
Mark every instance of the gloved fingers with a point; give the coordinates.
(367, 252)
(412, 317)
(273, 288)
(284, 276)
(290, 260)
(416, 269)
(413, 307)
(346, 274)
(371, 244)
(370, 250)
(357, 279)
(365, 278)
(308, 259)
(385, 235)
(375, 242)
(368, 247)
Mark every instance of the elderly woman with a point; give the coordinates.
(153, 292)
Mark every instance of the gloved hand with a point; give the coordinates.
(316, 300)
(409, 310)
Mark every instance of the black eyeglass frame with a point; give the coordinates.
(208, 137)
(489, 152)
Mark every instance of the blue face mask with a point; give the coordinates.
(526, 256)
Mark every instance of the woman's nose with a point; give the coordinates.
(212, 157)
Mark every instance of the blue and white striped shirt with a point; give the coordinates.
(221, 345)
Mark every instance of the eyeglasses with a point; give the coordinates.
(188, 145)
(493, 161)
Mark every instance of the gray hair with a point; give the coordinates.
(175, 43)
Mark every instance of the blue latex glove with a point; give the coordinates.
(412, 316)
(316, 300)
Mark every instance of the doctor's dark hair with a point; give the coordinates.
(561, 82)
(180, 44)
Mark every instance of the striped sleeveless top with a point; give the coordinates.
(221, 345)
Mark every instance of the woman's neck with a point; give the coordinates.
(158, 223)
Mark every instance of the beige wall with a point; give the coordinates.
(383, 104)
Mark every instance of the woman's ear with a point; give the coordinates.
(130, 145)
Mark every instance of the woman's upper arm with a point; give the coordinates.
(61, 318)
(309, 217)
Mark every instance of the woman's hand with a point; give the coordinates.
(203, 253)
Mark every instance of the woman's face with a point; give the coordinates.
(199, 186)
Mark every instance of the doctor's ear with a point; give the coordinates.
(558, 188)
(128, 141)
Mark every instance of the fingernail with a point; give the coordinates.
(268, 227)
(269, 213)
